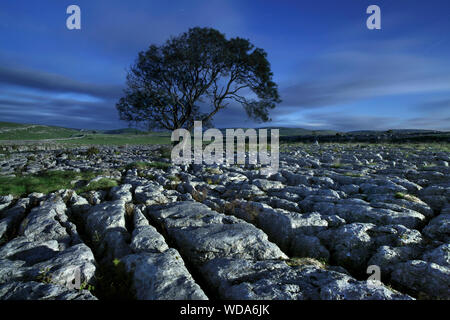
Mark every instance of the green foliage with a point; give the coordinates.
(87, 286)
(166, 82)
(399, 195)
(337, 165)
(34, 132)
(44, 182)
(141, 165)
(174, 179)
(92, 151)
(296, 262)
(353, 174)
(120, 139)
(116, 262)
(102, 184)
(44, 276)
(146, 175)
(113, 282)
(404, 196)
(165, 152)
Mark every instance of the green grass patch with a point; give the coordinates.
(404, 196)
(165, 152)
(141, 165)
(337, 165)
(44, 182)
(306, 261)
(174, 179)
(92, 151)
(102, 184)
(120, 139)
(8, 125)
(427, 166)
(353, 174)
(26, 132)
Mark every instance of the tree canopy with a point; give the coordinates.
(167, 83)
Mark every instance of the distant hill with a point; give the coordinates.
(124, 131)
(10, 131)
(394, 131)
(292, 131)
(16, 131)
(284, 131)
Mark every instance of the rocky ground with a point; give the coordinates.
(309, 231)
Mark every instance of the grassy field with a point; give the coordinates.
(409, 147)
(27, 132)
(7, 125)
(14, 131)
(50, 181)
(120, 139)
(47, 182)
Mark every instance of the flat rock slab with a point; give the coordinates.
(275, 280)
(162, 276)
(202, 234)
(105, 225)
(41, 291)
(49, 222)
(426, 279)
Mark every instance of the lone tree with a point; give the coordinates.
(166, 83)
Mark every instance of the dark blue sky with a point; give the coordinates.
(333, 73)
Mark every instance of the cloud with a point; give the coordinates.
(60, 110)
(351, 122)
(442, 105)
(431, 122)
(346, 77)
(341, 122)
(41, 80)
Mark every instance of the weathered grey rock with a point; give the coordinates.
(389, 201)
(49, 222)
(435, 196)
(66, 265)
(202, 234)
(439, 228)
(284, 204)
(105, 225)
(150, 194)
(40, 291)
(78, 205)
(12, 270)
(28, 250)
(359, 212)
(11, 218)
(308, 246)
(350, 244)
(122, 192)
(423, 278)
(273, 280)
(294, 179)
(162, 276)
(106, 216)
(267, 185)
(22, 260)
(440, 255)
(387, 258)
(5, 201)
(146, 238)
(96, 197)
(310, 208)
(350, 189)
(353, 244)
